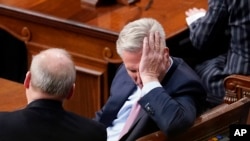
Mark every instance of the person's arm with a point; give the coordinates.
(205, 29)
(172, 108)
(194, 14)
(172, 114)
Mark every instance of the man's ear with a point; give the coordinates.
(71, 92)
(27, 80)
(166, 52)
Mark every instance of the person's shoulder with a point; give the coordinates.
(177, 59)
(82, 120)
(184, 70)
(10, 118)
(8, 114)
(91, 128)
(4, 115)
(179, 62)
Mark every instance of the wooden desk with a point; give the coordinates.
(12, 95)
(88, 34)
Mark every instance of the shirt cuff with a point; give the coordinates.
(194, 17)
(149, 86)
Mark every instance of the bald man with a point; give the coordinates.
(49, 82)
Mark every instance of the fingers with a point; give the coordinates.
(155, 41)
(146, 46)
(193, 11)
(202, 10)
(153, 57)
(151, 41)
(152, 44)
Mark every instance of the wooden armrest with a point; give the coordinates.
(236, 87)
(209, 124)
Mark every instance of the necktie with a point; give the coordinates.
(133, 114)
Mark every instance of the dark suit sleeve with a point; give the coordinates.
(175, 106)
(212, 26)
(172, 115)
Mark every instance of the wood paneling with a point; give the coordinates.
(12, 95)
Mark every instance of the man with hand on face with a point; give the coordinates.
(167, 91)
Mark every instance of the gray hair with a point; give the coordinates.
(132, 35)
(53, 72)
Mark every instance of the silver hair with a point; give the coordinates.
(132, 35)
(54, 77)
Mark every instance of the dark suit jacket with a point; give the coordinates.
(46, 120)
(172, 108)
(225, 31)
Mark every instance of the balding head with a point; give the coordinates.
(53, 72)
